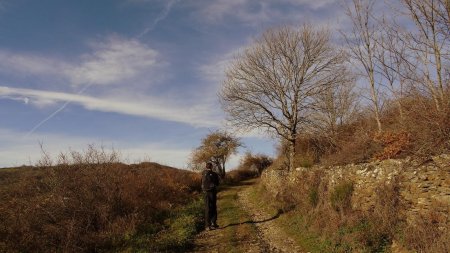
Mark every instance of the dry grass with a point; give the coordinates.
(88, 202)
(421, 131)
(428, 234)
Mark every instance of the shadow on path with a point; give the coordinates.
(252, 221)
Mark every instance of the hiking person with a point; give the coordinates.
(210, 181)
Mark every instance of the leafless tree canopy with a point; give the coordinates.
(336, 106)
(273, 83)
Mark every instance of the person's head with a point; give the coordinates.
(209, 166)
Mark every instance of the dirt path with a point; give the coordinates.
(244, 226)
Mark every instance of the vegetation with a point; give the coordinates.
(216, 148)
(323, 220)
(273, 84)
(294, 83)
(91, 202)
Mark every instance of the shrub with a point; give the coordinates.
(393, 143)
(430, 232)
(86, 204)
(341, 196)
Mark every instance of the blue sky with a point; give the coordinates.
(141, 76)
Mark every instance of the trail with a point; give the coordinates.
(244, 225)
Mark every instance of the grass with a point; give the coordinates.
(292, 223)
(180, 227)
(231, 214)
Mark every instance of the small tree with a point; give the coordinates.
(216, 148)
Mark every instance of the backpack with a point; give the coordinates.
(209, 180)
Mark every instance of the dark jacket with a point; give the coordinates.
(210, 180)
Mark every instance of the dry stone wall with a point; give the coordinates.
(424, 185)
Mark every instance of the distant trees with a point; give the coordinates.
(272, 84)
(216, 148)
(257, 162)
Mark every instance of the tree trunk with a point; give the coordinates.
(223, 169)
(291, 154)
(374, 94)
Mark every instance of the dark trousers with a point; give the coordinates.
(210, 208)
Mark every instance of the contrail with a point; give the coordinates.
(161, 16)
(55, 112)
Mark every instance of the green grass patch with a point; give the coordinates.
(174, 235)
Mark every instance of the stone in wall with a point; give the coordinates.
(424, 185)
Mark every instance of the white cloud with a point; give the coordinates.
(27, 64)
(215, 70)
(216, 11)
(255, 12)
(16, 149)
(112, 61)
(313, 4)
(151, 107)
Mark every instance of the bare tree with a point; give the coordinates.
(362, 46)
(392, 58)
(272, 84)
(336, 106)
(429, 45)
(216, 148)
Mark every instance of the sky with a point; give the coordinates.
(141, 76)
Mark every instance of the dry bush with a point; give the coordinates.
(239, 175)
(393, 143)
(420, 131)
(310, 148)
(250, 166)
(357, 148)
(429, 233)
(428, 127)
(87, 204)
(257, 163)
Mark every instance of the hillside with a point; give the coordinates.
(97, 207)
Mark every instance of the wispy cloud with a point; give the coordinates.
(200, 115)
(31, 65)
(257, 12)
(111, 61)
